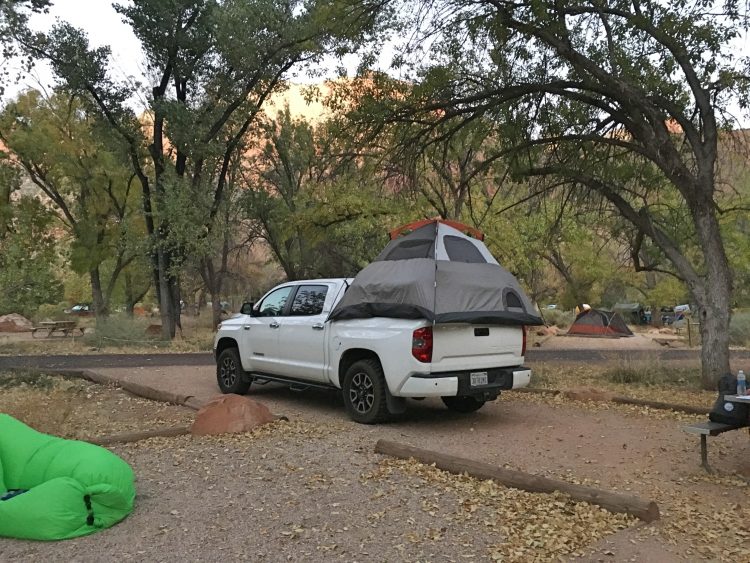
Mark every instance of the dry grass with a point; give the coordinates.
(127, 338)
(647, 379)
(73, 408)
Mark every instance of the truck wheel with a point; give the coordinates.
(364, 392)
(229, 373)
(462, 404)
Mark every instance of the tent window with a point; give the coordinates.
(512, 300)
(408, 249)
(462, 250)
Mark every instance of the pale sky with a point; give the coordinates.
(105, 27)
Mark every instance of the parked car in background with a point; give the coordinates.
(81, 310)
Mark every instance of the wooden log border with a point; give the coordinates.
(646, 510)
(127, 437)
(689, 409)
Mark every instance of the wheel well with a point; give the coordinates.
(225, 343)
(354, 355)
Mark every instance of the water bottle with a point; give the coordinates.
(741, 383)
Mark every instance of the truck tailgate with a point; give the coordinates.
(463, 346)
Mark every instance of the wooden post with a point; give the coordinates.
(646, 510)
(690, 334)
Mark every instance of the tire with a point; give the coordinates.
(229, 373)
(463, 404)
(364, 392)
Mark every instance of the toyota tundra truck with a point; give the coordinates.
(376, 363)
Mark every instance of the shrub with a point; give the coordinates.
(50, 312)
(739, 329)
(647, 374)
(120, 331)
(558, 317)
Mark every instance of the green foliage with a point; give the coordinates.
(320, 213)
(52, 312)
(27, 261)
(739, 329)
(77, 162)
(558, 317)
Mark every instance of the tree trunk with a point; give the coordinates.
(100, 307)
(215, 309)
(129, 301)
(714, 300)
(164, 298)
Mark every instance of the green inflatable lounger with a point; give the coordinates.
(56, 489)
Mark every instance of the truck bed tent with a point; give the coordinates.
(595, 322)
(438, 273)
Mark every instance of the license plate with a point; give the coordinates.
(478, 378)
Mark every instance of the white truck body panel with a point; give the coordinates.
(308, 348)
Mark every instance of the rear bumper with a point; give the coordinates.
(458, 383)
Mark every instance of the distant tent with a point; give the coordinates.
(599, 323)
(439, 273)
(631, 312)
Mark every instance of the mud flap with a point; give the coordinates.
(395, 405)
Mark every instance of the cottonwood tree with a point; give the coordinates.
(28, 254)
(214, 65)
(314, 200)
(71, 156)
(617, 99)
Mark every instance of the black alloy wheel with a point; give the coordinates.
(364, 392)
(229, 373)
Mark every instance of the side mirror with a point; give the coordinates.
(247, 308)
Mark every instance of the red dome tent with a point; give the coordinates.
(595, 322)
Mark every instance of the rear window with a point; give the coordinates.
(408, 249)
(512, 300)
(462, 250)
(309, 300)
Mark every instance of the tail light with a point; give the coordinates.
(523, 345)
(421, 344)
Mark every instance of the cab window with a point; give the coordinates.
(273, 304)
(309, 300)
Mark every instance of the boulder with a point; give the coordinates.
(229, 414)
(15, 323)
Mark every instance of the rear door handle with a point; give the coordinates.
(318, 326)
(246, 327)
(274, 324)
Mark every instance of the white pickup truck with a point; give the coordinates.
(376, 362)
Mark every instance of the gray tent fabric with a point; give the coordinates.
(439, 274)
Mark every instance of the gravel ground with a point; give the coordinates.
(313, 490)
(301, 491)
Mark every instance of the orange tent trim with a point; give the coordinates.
(466, 229)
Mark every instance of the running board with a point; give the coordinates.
(294, 384)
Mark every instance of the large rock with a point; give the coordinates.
(15, 323)
(228, 414)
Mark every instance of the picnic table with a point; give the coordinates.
(705, 429)
(737, 399)
(62, 328)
